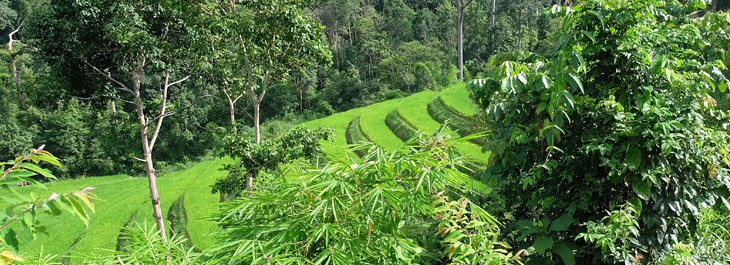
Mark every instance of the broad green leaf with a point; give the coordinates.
(722, 86)
(542, 244)
(562, 223)
(46, 158)
(589, 35)
(85, 198)
(19, 174)
(11, 240)
(565, 253)
(574, 82)
(657, 64)
(44, 172)
(668, 74)
(642, 189)
(569, 98)
(545, 81)
(633, 156)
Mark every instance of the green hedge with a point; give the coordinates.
(355, 135)
(400, 126)
(463, 125)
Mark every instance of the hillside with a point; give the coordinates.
(124, 199)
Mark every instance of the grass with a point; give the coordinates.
(122, 197)
(457, 98)
(372, 122)
(338, 122)
(416, 113)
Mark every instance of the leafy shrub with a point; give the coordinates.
(378, 211)
(145, 246)
(253, 157)
(621, 113)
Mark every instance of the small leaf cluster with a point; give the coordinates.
(25, 209)
(469, 233)
(620, 112)
(545, 238)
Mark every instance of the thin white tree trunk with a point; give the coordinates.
(460, 38)
(147, 150)
(257, 119)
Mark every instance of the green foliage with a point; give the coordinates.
(354, 135)
(267, 155)
(146, 247)
(469, 233)
(617, 235)
(399, 126)
(462, 124)
(622, 107)
(543, 240)
(26, 210)
(378, 211)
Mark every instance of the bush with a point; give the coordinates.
(391, 208)
(620, 114)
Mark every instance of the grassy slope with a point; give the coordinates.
(122, 196)
(457, 98)
(416, 113)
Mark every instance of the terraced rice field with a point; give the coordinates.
(124, 200)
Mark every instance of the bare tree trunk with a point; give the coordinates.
(114, 107)
(147, 150)
(249, 183)
(460, 6)
(714, 5)
(256, 120)
(232, 110)
(148, 144)
(493, 22)
(13, 65)
(301, 101)
(460, 38)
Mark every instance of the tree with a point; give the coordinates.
(259, 43)
(460, 6)
(128, 44)
(14, 15)
(623, 108)
(255, 157)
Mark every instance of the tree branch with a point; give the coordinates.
(10, 36)
(109, 77)
(163, 110)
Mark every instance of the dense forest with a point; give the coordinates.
(605, 122)
(379, 50)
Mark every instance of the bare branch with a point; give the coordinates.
(176, 82)
(139, 159)
(163, 110)
(10, 36)
(109, 77)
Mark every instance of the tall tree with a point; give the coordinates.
(130, 45)
(262, 41)
(460, 6)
